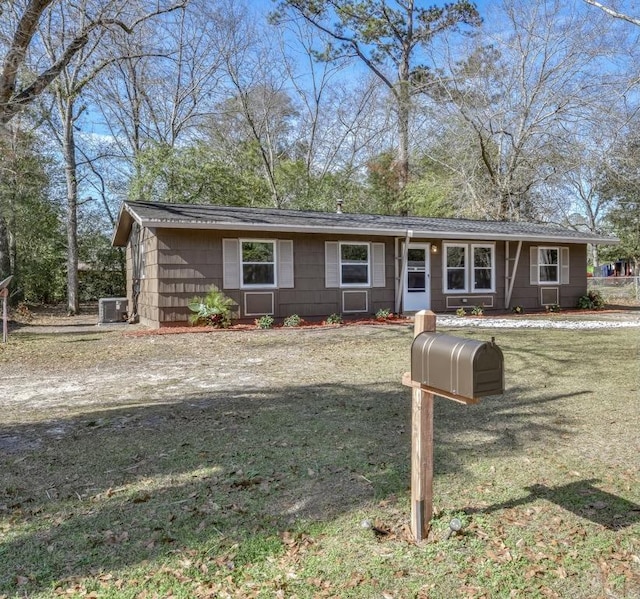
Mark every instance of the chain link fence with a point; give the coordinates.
(616, 289)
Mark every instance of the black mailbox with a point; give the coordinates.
(456, 366)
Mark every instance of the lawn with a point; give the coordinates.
(276, 464)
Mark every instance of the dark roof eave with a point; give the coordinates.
(124, 222)
(400, 232)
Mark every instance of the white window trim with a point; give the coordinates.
(558, 265)
(274, 285)
(445, 270)
(472, 268)
(271, 293)
(469, 268)
(340, 263)
(366, 301)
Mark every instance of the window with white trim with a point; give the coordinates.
(354, 264)
(258, 263)
(482, 276)
(468, 268)
(548, 265)
(455, 267)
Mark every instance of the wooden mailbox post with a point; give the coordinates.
(462, 370)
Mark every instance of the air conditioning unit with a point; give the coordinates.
(112, 309)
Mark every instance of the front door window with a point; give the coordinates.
(416, 270)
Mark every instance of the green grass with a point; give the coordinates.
(259, 487)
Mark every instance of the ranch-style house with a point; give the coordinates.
(313, 264)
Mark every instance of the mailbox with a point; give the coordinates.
(463, 367)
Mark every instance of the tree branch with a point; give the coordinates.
(10, 101)
(613, 13)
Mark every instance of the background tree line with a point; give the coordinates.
(512, 110)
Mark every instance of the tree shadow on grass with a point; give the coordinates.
(226, 471)
(583, 499)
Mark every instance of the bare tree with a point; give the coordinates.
(14, 94)
(166, 83)
(342, 119)
(258, 110)
(385, 36)
(520, 97)
(86, 63)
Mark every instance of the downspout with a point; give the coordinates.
(136, 268)
(512, 279)
(403, 272)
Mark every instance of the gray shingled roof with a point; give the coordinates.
(153, 214)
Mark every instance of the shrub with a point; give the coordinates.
(552, 308)
(22, 313)
(591, 301)
(264, 322)
(292, 321)
(334, 319)
(383, 314)
(214, 310)
(518, 310)
(461, 312)
(477, 310)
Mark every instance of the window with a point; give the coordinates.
(258, 263)
(548, 265)
(455, 257)
(252, 263)
(354, 264)
(482, 277)
(469, 268)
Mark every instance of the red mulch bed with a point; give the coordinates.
(174, 330)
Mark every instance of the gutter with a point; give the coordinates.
(416, 234)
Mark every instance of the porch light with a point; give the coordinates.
(434, 248)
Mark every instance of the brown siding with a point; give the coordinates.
(524, 294)
(528, 296)
(148, 298)
(181, 264)
(189, 263)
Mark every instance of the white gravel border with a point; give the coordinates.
(530, 323)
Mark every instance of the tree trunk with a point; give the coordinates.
(5, 260)
(403, 100)
(70, 169)
(594, 256)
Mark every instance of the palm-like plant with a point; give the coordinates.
(213, 310)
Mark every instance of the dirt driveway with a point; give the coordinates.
(52, 370)
(55, 367)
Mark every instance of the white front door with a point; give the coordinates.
(417, 294)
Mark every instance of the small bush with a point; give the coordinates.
(334, 319)
(477, 310)
(591, 301)
(264, 322)
(383, 314)
(292, 321)
(214, 310)
(22, 313)
(518, 310)
(461, 312)
(552, 308)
